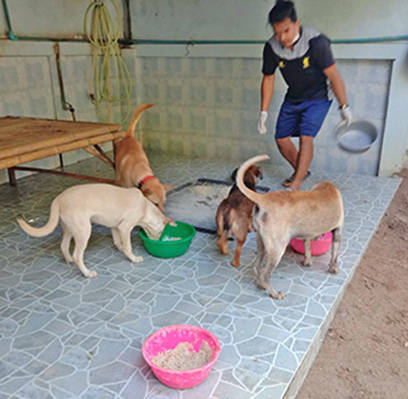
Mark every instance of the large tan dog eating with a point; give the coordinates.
(119, 208)
(282, 215)
(132, 168)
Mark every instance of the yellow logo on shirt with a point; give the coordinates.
(281, 64)
(306, 63)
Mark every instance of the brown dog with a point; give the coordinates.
(234, 215)
(133, 168)
(282, 215)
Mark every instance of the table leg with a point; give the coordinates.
(12, 176)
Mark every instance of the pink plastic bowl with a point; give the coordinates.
(317, 247)
(168, 338)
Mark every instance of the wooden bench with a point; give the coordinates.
(24, 140)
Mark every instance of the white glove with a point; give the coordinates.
(263, 116)
(346, 115)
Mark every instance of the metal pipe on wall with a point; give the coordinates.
(127, 24)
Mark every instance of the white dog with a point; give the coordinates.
(119, 208)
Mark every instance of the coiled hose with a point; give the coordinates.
(110, 79)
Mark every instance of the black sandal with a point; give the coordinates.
(289, 180)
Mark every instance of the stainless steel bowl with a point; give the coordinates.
(358, 136)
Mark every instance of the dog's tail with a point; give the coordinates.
(251, 194)
(48, 228)
(135, 118)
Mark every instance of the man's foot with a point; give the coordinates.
(293, 188)
(288, 182)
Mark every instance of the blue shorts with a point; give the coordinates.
(304, 119)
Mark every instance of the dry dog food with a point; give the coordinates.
(183, 357)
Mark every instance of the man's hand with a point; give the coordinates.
(263, 116)
(346, 115)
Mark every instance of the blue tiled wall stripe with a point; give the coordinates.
(203, 106)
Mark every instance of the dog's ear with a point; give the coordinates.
(153, 197)
(258, 172)
(155, 200)
(234, 174)
(167, 187)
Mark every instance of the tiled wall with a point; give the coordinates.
(25, 86)
(29, 87)
(367, 85)
(204, 107)
(208, 108)
(76, 72)
(26, 90)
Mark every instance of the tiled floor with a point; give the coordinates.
(65, 336)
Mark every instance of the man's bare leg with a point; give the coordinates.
(288, 150)
(304, 159)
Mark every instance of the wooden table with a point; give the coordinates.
(24, 140)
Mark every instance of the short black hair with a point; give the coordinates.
(281, 10)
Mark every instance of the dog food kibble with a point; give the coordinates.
(183, 357)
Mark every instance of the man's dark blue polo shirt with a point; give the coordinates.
(301, 67)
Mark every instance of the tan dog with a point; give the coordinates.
(119, 208)
(282, 215)
(234, 215)
(132, 166)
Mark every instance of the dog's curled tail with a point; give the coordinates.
(46, 229)
(252, 195)
(135, 118)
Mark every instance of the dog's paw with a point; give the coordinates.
(91, 274)
(333, 269)
(306, 263)
(136, 259)
(235, 263)
(277, 295)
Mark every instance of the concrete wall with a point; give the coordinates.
(243, 19)
(212, 19)
(49, 18)
(375, 74)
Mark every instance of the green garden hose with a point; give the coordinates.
(110, 79)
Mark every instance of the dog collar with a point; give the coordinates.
(144, 180)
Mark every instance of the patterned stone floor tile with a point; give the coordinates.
(65, 336)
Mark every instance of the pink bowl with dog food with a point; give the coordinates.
(167, 339)
(317, 247)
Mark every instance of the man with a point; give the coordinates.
(305, 60)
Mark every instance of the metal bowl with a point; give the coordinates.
(358, 136)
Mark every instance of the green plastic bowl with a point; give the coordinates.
(165, 247)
